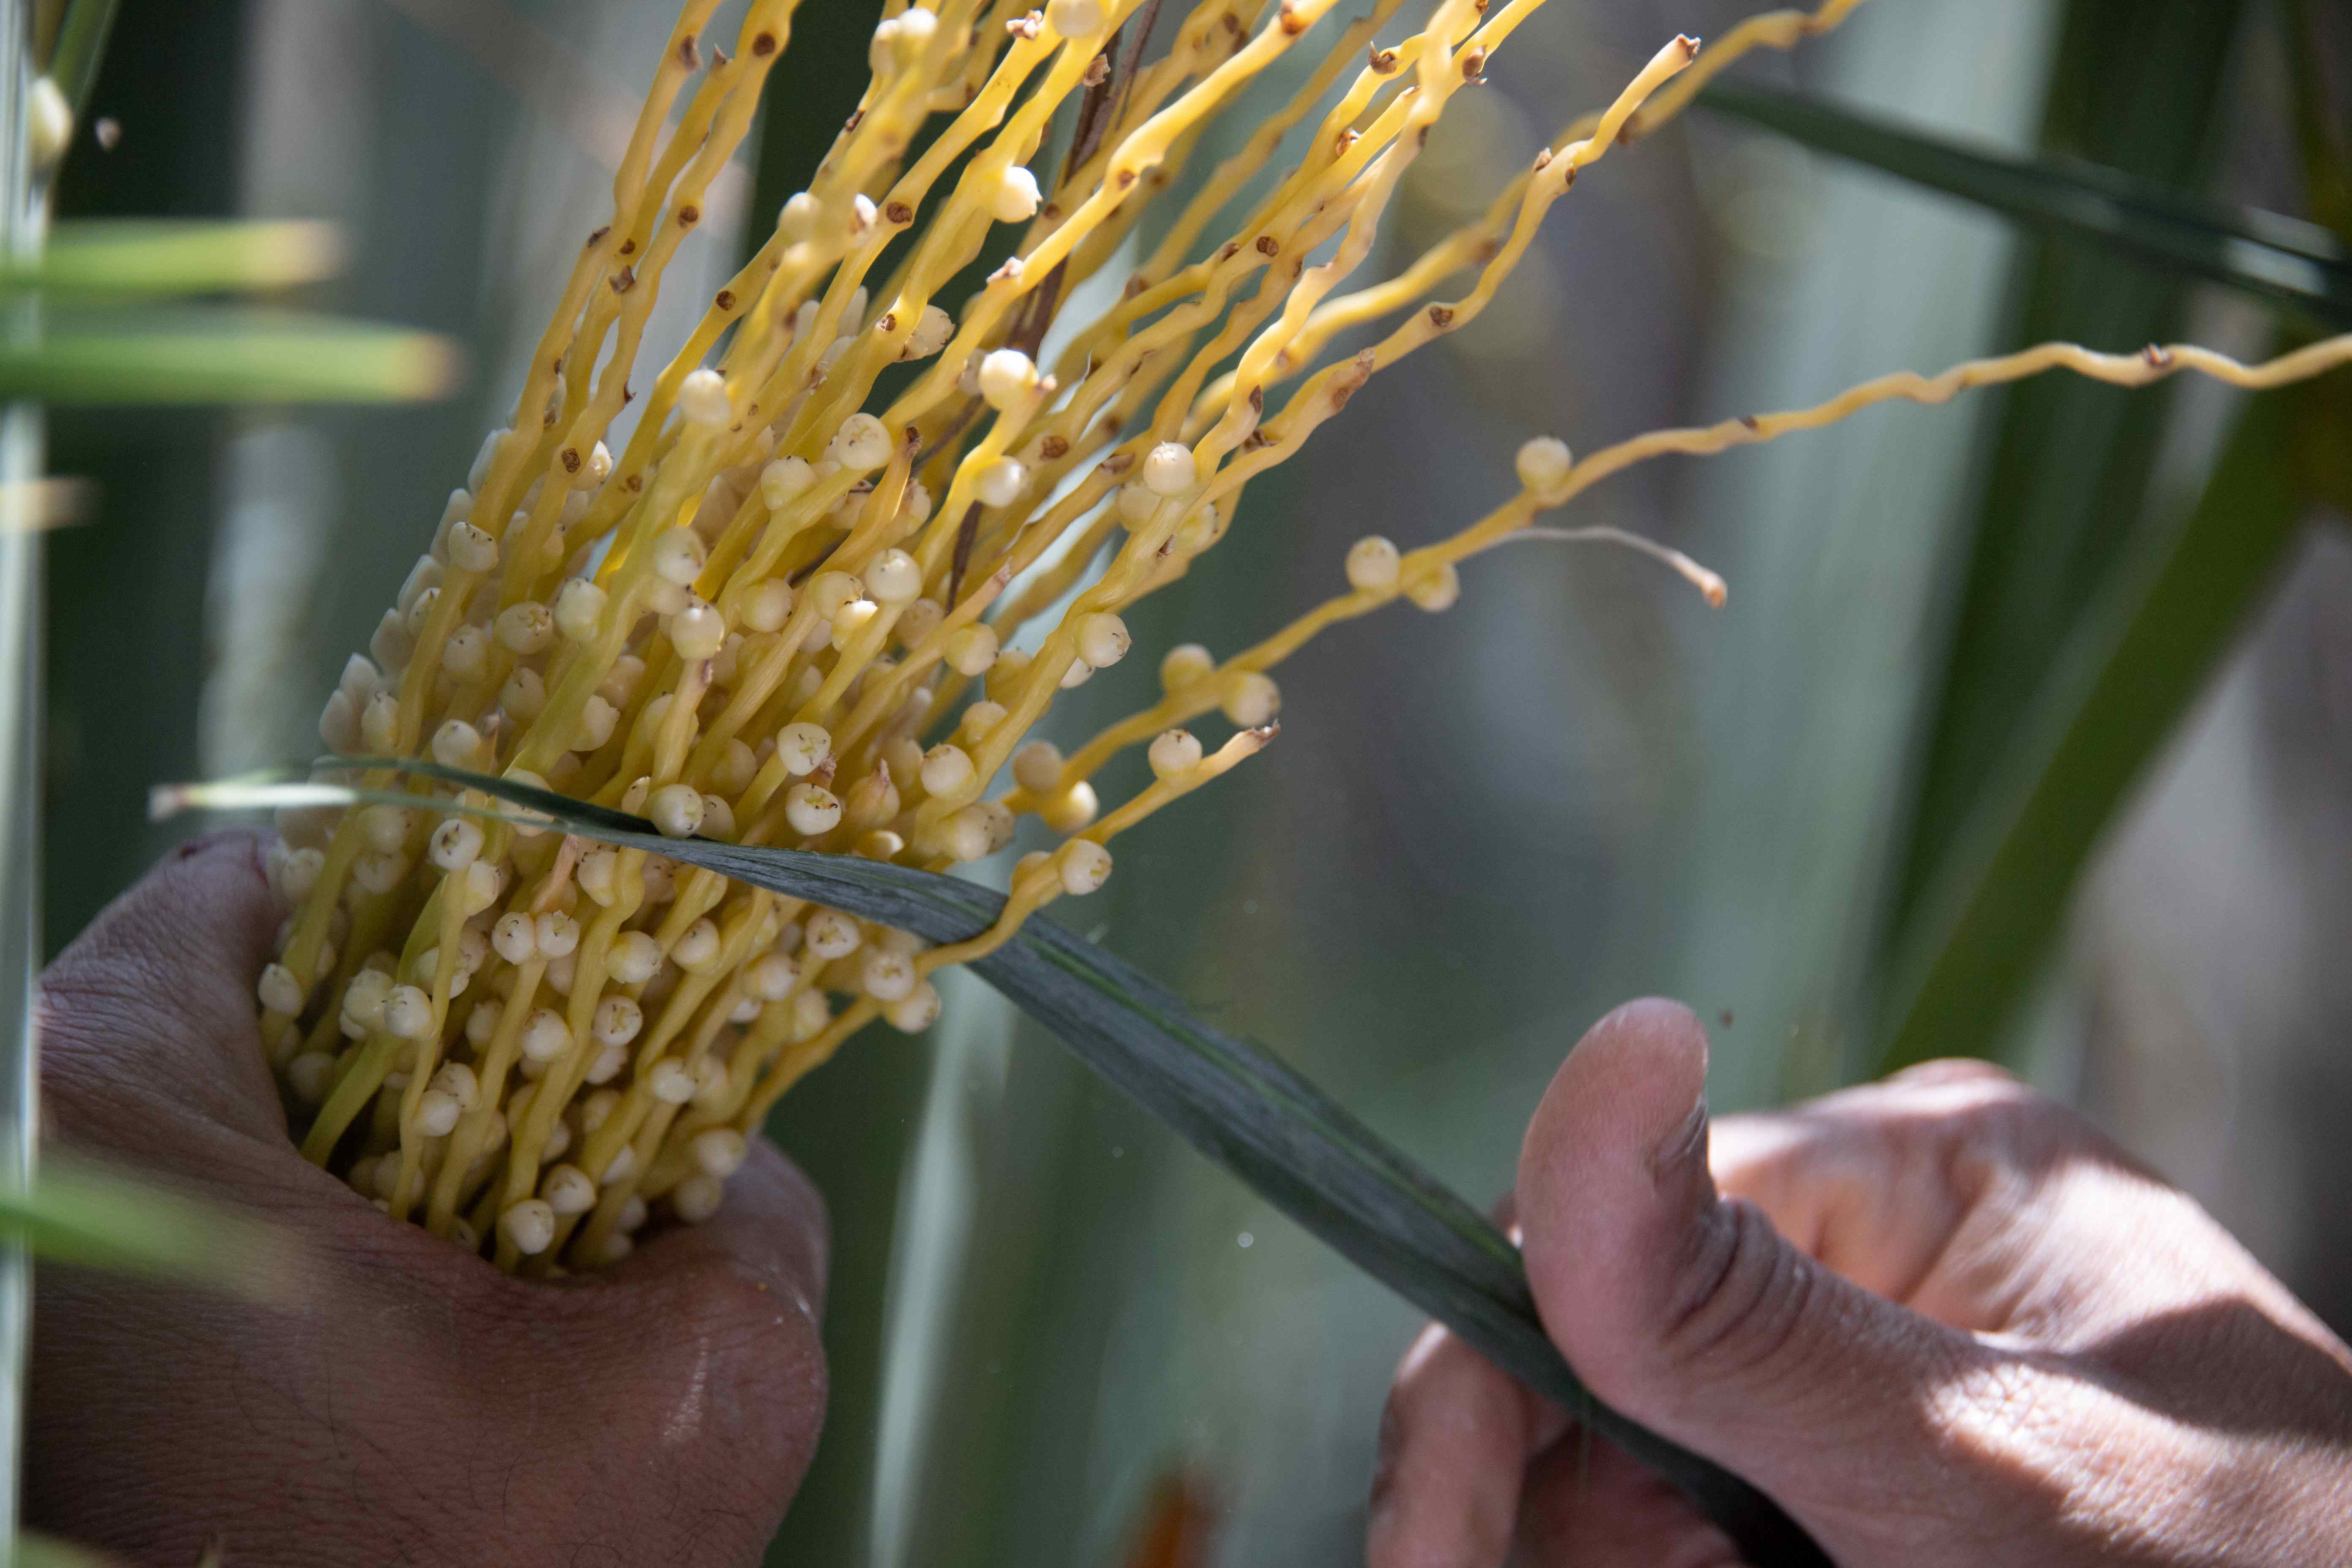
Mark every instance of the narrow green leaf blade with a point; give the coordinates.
(2276, 259)
(222, 357)
(162, 256)
(1233, 1101)
(2137, 661)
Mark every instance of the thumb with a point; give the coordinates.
(1693, 1315)
(153, 1006)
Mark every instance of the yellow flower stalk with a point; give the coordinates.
(760, 619)
(783, 612)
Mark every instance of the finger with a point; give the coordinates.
(1589, 1504)
(1693, 1316)
(1455, 1441)
(153, 1004)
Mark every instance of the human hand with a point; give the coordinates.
(1938, 1320)
(411, 1403)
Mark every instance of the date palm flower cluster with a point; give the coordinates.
(785, 613)
(781, 613)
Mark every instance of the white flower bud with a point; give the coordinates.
(1253, 700)
(916, 1011)
(831, 934)
(768, 605)
(1000, 482)
(338, 724)
(962, 836)
(1543, 463)
(697, 631)
(1103, 639)
(702, 398)
(971, 649)
(1073, 810)
(934, 329)
(1037, 767)
(677, 556)
(829, 590)
(811, 1013)
(1076, 673)
(458, 744)
(579, 610)
(280, 990)
(407, 1013)
(1373, 565)
(545, 1036)
(1015, 197)
(555, 934)
(670, 1083)
(886, 976)
(1183, 665)
(1436, 591)
(458, 1081)
(512, 937)
(893, 578)
(861, 444)
(1169, 468)
(568, 1190)
(698, 1198)
(1074, 18)
(437, 1113)
(1004, 375)
(698, 947)
(770, 977)
(1175, 752)
(1083, 865)
(947, 769)
(802, 747)
(309, 1076)
(472, 548)
(483, 458)
(783, 479)
(529, 1225)
(1135, 504)
(675, 810)
(719, 1151)
(850, 620)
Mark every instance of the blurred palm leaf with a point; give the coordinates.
(222, 356)
(162, 256)
(2277, 258)
(2085, 626)
(1233, 1101)
(2139, 655)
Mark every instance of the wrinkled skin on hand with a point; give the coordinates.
(1939, 1319)
(407, 1403)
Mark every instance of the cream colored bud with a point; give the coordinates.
(1015, 197)
(1175, 752)
(783, 479)
(529, 1225)
(1372, 565)
(1437, 590)
(1253, 700)
(1004, 375)
(1103, 639)
(1544, 463)
(702, 398)
(1084, 866)
(679, 555)
(1168, 469)
(1000, 482)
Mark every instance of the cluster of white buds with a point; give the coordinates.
(778, 616)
